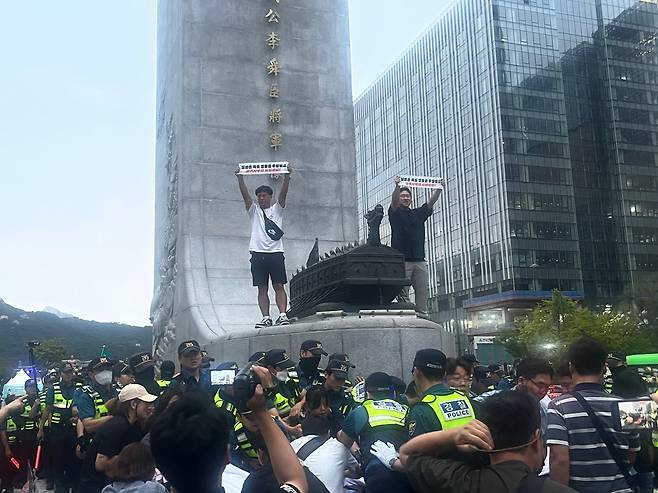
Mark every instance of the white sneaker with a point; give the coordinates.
(282, 320)
(266, 322)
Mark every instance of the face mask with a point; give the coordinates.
(282, 376)
(104, 377)
(309, 365)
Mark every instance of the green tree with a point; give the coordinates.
(556, 323)
(50, 352)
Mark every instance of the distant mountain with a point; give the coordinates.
(82, 338)
(56, 312)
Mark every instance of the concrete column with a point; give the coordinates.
(213, 106)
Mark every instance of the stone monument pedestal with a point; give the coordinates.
(386, 341)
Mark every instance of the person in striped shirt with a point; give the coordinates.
(579, 456)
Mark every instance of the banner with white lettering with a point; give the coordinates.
(274, 168)
(411, 181)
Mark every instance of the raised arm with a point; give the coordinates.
(283, 194)
(246, 196)
(468, 438)
(14, 407)
(285, 464)
(435, 195)
(395, 198)
(92, 425)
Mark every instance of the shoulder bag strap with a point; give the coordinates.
(311, 446)
(607, 439)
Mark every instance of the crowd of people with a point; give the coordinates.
(315, 425)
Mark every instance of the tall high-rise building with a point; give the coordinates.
(543, 117)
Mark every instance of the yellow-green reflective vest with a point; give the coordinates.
(283, 403)
(385, 412)
(452, 410)
(42, 405)
(244, 445)
(61, 407)
(100, 409)
(385, 422)
(11, 430)
(227, 406)
(28, 423)
(163, 384)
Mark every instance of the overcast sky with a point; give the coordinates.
(77, 96)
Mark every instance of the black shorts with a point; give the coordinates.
(266, 266)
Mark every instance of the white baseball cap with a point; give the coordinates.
(135, 391)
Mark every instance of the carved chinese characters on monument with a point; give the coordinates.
(273, 67)
(272, 16)
(276, 139)
(275, 115)
(273, 40)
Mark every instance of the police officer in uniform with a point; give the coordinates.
(167, 370)
(498, 379)
(26, 432)
(9, 440)
(308, 371)
(439, 407)
(286, 391)
(224, 392)
(206, 360)
(380, 417)
(345, 359)
(243, 454)
(143, 368)
(257, 357)
(191, 375)
(340, 401)
(122, 374)
(60, 414)
(90, 400)
(45, 471)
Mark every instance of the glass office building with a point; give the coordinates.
(543, 117)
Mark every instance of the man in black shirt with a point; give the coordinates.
(408, 237)
(128, 425)
(510, 437)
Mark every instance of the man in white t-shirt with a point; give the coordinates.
(329, 460)
(267, 260)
